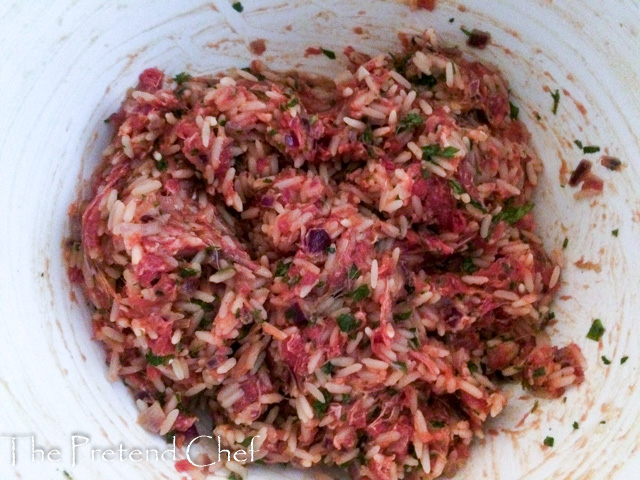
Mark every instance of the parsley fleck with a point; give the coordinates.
(353, 272)
(162, 164)
(292, 103)
(591, 149)
(437, 423)
(468, 266)
(272, 132)
(107, 120)
(465, 31)
(181, 78)
(511, 213)
(565, 244)
(246, 442)
(576, 425)
(67, 475)
(409, 122)
(548, 441)
(401, 317)
(425, 173)
(207, 307)
(578, 144)
(347, 322)
(539, 372)
(473, 368)
(451, 20)
(282, 269)
(402, 366)
(623, 360)
(294, 280)
(360, 293)
(605, 360)
(346, 398)
(222, 122)
(614, 232)
(329, 54)
(456, 187)
(513, 111)
(331, 250)
(556, 100)
(434, 150)
(188, 272)
(596, 331)
(320, 408)
(367, 136)
(237, 6)
(156, 360)
(233, 476)
(328, 368)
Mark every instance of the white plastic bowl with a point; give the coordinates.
(65, 67)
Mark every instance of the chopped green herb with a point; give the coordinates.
(473, 368)
(169, 437)
(181, 78)
(207, 307)
(282, 269)
(425, 173)
(331, 250)
(449, 152)
(162, 164)
(267, 180)
(456, 187)
(576, 425)
(346, 398)
(556, 100)
(409, 122)
(401, 317)
(156, 360)
(602, 422)
(67, 475)
(222, 122)
(294, 280)
(246, 442)
(272, 132)
(565, 244)
(468, 266)
(402, 366)
(256, 314)
(465, 31)
(434, 150)
(596, 331)
(185, 272)
(328, 368)
(437, 423)
(367, 136)
(539, 372)
(615, 232)
(511, 213)
(234, 476)
(623, 360)
(329, 54)
(578, 144)
(347, 322)
(551, 315)
(292, 103)
(353, 272)
(320, 408)
(513, 111)
(548, 441)
(591, 149)
(451, 20)
(537, 115)
(360, 293)
(237, 6)
(107, 120)
(605, 360)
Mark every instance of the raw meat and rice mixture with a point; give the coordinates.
(345, 271)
